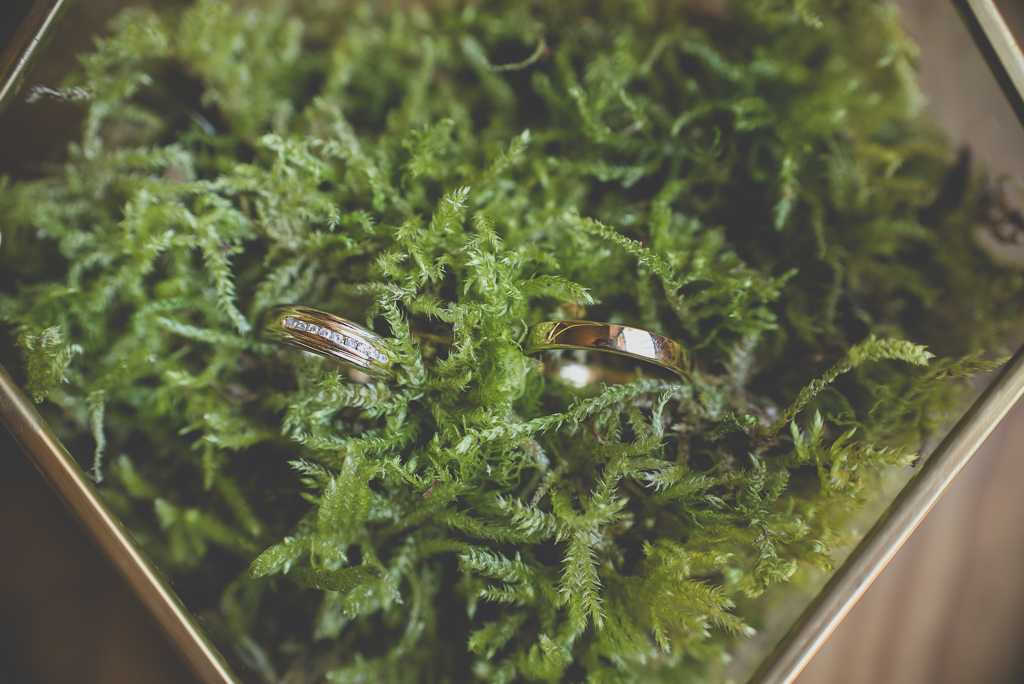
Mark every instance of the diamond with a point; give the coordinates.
(312, 329)
(289, 322)
(325, 333)
(299, 325)
(356, 345)
(338, 338)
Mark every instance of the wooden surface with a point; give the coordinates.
(948, 608)
(65, 617)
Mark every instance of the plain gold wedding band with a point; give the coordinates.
(608, 337)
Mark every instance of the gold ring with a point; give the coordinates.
(329, 336)
(607, 337)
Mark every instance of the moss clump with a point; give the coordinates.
(749, 177)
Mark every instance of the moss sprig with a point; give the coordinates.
(752, 178)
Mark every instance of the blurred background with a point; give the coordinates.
(948, 609)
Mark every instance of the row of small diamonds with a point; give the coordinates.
(336, 337)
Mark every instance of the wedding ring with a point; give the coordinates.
(329, 336)
(607, 337)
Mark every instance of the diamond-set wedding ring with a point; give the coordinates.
(330, 336)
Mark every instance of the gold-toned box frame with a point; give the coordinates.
(64, 476)
(24, 46)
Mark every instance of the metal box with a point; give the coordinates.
(792, 653)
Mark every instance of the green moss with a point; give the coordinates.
(751, 178)
(47, 360)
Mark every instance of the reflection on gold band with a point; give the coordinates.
(607, 337)
(329, 336)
